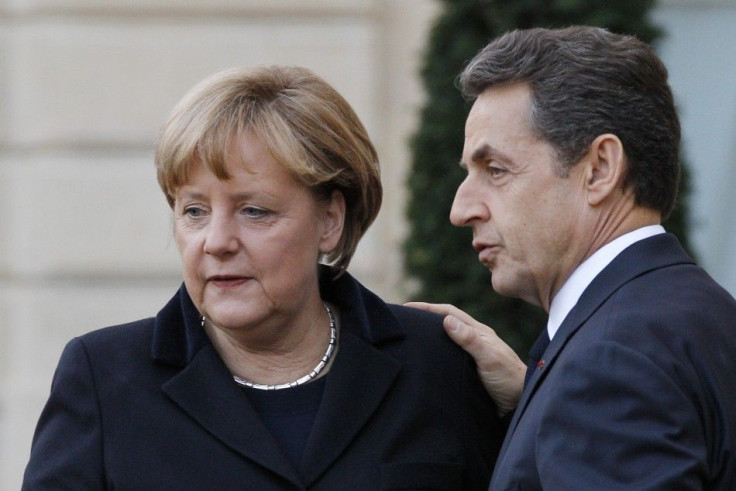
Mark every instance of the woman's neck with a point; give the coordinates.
(277, 354)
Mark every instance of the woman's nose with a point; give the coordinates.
(222, 236)
(468, 205)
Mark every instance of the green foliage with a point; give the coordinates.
(439, 255)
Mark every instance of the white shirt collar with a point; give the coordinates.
(585, 273)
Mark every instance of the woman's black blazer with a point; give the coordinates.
(151, 406)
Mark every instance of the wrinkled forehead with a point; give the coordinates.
(499, 113)
(501, 103)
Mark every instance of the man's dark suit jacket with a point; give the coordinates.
(151, 406)
(638, 388)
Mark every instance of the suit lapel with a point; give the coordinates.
(357, 383)
(641, 257)
(206, 392)
(359, 379)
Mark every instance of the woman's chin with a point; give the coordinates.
(232, 319)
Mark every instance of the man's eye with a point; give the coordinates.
(496, 171)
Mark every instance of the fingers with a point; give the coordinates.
(500, 369)
(445, 309)
(461, 327)
(463, 335)
(479, 340)
(437, 308)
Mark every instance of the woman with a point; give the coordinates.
(271, 368)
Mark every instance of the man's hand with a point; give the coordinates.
(500, 370)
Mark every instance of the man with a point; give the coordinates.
(571, 151)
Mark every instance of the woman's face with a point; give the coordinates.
(250, 244)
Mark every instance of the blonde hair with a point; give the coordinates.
(308, 127)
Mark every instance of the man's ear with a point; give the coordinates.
(334, 221)
(606, 168)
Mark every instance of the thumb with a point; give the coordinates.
(463, 335)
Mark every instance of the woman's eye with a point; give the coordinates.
(254, 212)
(193, 211)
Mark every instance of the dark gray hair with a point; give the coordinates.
(584, 82)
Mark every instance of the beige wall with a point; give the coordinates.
(84, 85)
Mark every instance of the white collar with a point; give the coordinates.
(585, 273)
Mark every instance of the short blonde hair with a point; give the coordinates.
(306, 124)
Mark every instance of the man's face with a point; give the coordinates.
(523, 214)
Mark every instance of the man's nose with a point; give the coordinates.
(468, 205)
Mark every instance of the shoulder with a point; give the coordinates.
(670, 302)
(674, 321)
(679, 302)
(654, 281)
(119, 335)
(677, 287)
(424, 335)
(418, 323)
(121, 346)
(416, 317)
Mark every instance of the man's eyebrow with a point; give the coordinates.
(485, 152)
(479, 154)
(482, 153)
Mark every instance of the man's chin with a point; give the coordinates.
(498, 285)
(503, 286)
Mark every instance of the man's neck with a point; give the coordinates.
(586, 272)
